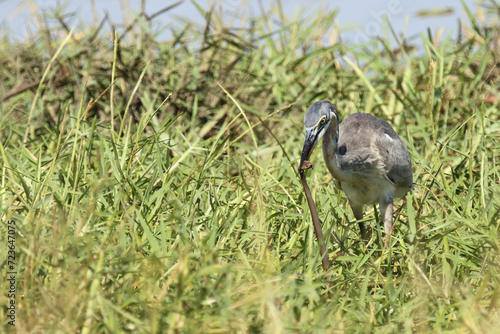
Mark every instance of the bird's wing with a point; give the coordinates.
(369, 145)
(396, 157)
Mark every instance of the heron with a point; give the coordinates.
(365, 156)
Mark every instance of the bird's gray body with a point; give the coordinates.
(366, 157)
(369, 155)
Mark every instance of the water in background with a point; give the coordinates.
(358, 20)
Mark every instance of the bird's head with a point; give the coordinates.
(317, 119)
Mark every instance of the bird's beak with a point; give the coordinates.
(309, 144)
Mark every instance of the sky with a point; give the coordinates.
(358, 20)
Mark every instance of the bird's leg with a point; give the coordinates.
(386, 209)
(357, 210)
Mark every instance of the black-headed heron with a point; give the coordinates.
(364, 154)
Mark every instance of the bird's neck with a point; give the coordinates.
(330, 140)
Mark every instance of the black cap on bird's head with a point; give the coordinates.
(316, 121)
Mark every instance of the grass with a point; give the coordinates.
(154, 183)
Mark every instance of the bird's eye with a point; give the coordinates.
(323, 120)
